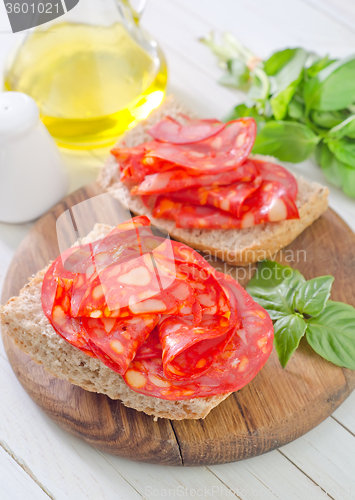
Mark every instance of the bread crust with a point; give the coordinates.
(236, 247)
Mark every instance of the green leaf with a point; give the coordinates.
(329, 119)
(332, 334)
(278, 60)
(288, 141)
(295, 109)
(288, 333)
(345, 128)
(273, 287)
(317, 66)
(312, 296)
(333, 87)
(242, 111)
(285, 80)
(336, 172)
(344, 150)
(280, 100)
(348, 180)
(331, 167)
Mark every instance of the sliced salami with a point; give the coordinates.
(131, 165)
(151, 348)
(233, 367)
(177, 179)
(56, 298)
(169, 130)
(270, 203)
(189, 349)
(272, 172)
(225, 151)
(228, 198)
(188, 216)
(116, 341)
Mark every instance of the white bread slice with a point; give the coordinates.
(237, 247)
(23, 320)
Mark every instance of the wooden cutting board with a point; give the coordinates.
(277, 407)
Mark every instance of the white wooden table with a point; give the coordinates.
(38, 459)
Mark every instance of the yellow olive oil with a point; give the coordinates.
(91, 82)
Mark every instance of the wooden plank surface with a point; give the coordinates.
(267, 27)
(14, 480)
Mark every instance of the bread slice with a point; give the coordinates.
(23, 320)
(237, 247)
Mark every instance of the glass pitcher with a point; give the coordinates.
(93, 72)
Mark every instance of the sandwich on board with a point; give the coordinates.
(236, 236)
(162, 331)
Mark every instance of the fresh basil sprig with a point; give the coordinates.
(299, 100)
(299, 307)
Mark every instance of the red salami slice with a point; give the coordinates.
(190, 216)
(151, 348)
(56, 295)
(225, 151)
(177, 179)
(120, 245)
(228, 198)
(272, 172)
(270, 203)
(189, 349)
(116, 341)
(244, 355)
(63, 290)
(130, 163)
(169, 130)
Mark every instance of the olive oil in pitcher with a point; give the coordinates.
(91, 82)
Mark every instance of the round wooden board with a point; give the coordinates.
(275, 408)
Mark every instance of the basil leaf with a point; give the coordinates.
(333, 87)
(336, 172)
(332, 168)
(280, 100)
(318, 65)
(295, 109)
(332, 334)
(329, 119)
(345, 128)
(344, 150)
(348, 180)
(273, 287)
(242, 111)
(278, 60)
(312, 296)
(288, 333)
(284, 82)
(288, 141)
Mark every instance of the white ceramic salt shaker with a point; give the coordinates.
(32, 175)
